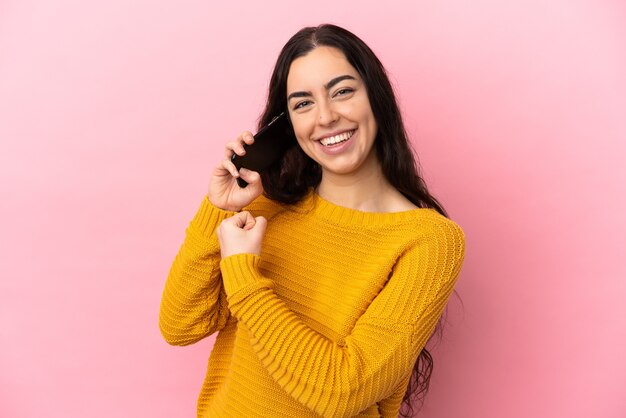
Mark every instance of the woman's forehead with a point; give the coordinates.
(317, 67)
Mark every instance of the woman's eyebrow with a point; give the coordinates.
(327, 86)
(336, 80)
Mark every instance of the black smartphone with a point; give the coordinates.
(270, 143)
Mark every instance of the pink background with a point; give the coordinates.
(112, 115)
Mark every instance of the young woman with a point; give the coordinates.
(325, 276)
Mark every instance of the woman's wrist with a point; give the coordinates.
(224, 207)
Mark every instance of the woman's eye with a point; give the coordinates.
(343, 92)
(301, 104)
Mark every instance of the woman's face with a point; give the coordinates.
(330, 112)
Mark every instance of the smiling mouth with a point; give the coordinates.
(337, 139)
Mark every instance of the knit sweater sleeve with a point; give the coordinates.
(194, 304)
(341, 378)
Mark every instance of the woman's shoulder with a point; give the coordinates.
(437, 236)
(429, 230)
(423, 225)
(444, 229)
(427, 219)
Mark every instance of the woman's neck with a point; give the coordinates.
(366, 190)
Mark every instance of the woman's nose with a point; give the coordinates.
(326, 114)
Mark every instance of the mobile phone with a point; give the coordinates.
(269, 145)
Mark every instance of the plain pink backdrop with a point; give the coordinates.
(112, 115)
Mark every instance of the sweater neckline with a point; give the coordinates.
(347, 216)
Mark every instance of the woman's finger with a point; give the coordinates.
(242, 220)
(237, 146)
(260, 223)
(247, 137)
(255, 185)
(230, 167)
(251, 177)
(234, 147)
(250, 221)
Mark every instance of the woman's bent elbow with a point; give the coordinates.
(177, 334)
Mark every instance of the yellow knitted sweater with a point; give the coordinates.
(328, 321)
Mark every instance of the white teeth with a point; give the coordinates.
(336, 139)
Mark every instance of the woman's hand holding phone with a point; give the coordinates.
(224, 192)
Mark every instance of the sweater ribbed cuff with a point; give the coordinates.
(240, 272)
(209, 217)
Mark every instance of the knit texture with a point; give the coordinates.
(328, 321)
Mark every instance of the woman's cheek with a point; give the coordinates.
(300, 129)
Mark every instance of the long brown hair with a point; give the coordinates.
(291, 178)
